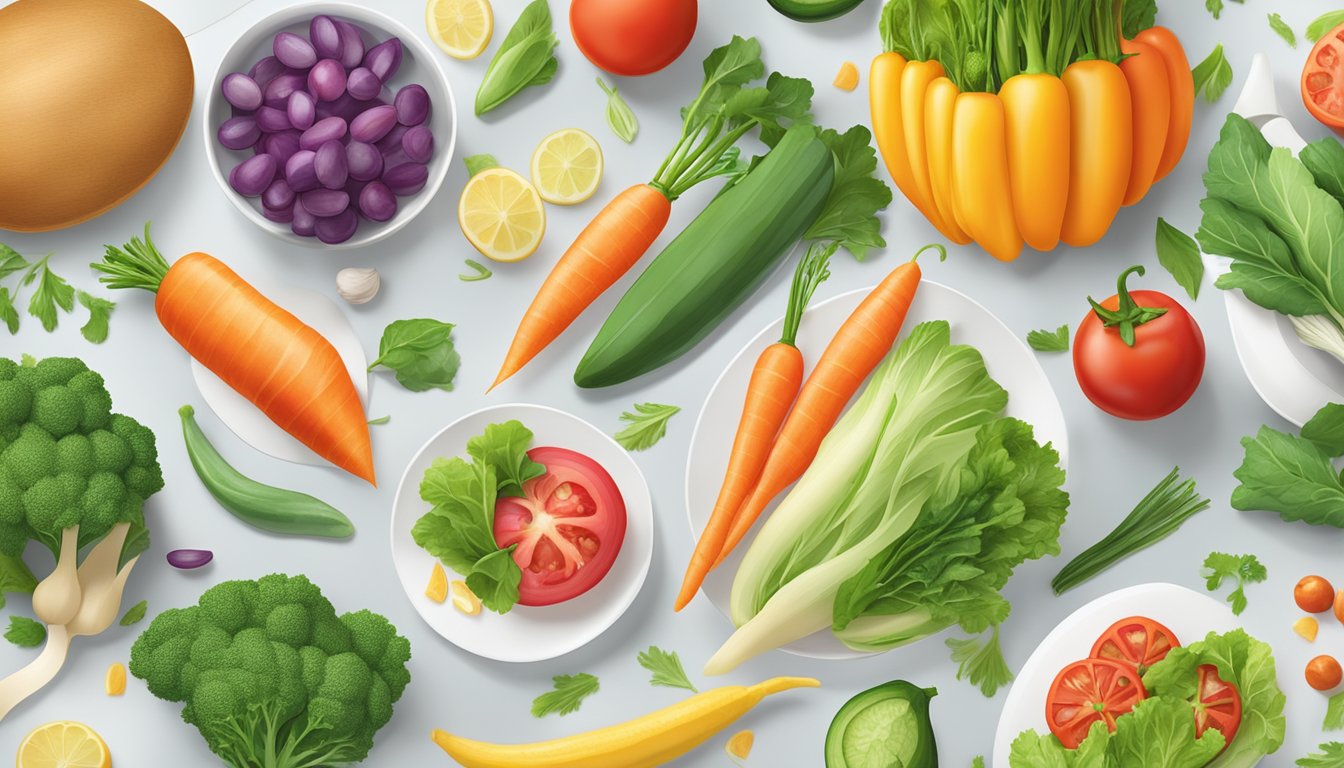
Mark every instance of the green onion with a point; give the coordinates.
(481, 272)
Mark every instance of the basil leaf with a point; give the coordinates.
(525, 58)
(1178, 253)
(620, 117)
(421, 353)
(25, 632)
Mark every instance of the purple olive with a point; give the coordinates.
(338, 228)
(281, 146)
(326, 80)
(276, 93)
(302, 110)
(304, 223)
(278, 196)
(330, 165)
(384, 59)
(364, 161)
(241, 91)
(373, 124)
(323, 130)
(352, 44)
(300, 171)
(240, 133)
(251, 177)
(418, 144)
(392, 141)
(326, 39)
(271, 120)
(266, 70)
(186, 559)
(377, 201)
(324, 202)
(412, 103)
(406, 178)
(363, 84)
(294, 51)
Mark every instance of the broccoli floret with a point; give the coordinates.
(272, 677)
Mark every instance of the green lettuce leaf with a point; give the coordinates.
(1295, 476)
(503, 447)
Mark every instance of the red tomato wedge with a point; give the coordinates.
(1138, 640)
(568, 525)
(1089, 691)
(1323, 80)
(1217, 706)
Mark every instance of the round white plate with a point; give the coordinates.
(528, 633)
(245, 419)
(1007, 357)
(1189, 614)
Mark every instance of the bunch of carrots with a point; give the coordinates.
(1028, 122)
(784, 418)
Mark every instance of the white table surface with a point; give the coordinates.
(1112, 463)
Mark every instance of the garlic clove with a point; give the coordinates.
(358, 285)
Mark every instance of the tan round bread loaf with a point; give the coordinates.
(94, 95)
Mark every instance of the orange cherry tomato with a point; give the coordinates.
(1089, 691)
(1137, 640)
(1217, 705)
(1324, 673)
(1323, 80)
(1314, 594)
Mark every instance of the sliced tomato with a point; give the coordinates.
(1089, 691)
(568, 527)
(1138, 640)
(1323, 80)
(1217, 705)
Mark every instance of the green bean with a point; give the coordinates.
(263, 506)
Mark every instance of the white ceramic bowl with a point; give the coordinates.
(418, 65)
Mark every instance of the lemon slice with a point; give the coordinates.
(501, 214)
(567, 167)
(461, 28)
(63, 744)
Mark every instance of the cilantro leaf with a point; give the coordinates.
(100, 311)
(25, 632)
(135, 613)
(569, 693)
(666, 668)
(1050, 341)
(421, 354)
(10, 261)
(1328, 755)
(52, 293)
(8, 314)
(1323, 24)
(850, 212)
(1212, 75)
(1178, 253)
(980, 661)
(15, 577)
(1282, 29)
(647, 425)
(1246, 569)
(504, 448)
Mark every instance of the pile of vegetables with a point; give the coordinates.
(1028, 122)
(918, 506)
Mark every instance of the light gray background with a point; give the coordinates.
(1112, 462)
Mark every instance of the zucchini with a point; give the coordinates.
(814, 10)
(883, 727)
(709, 269)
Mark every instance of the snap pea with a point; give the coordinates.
(263, 506)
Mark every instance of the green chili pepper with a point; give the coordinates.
(481, 272)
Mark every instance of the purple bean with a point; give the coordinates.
(299, 171)
(384, 59)
(281, 146)
(280, 215)
(418, 144)
(392, 141)
(348, 107)
(239, 133)
(326, 39)
(271, 120)
(338, 228)
(353, 187)
(364, 161)
(352, 44)
(241, 91)
(294, 51)
(396, 157)
(330, 165)
(412, 103)
(363, 84)
(324, 202)
(373, 124)
(251, 177)
(277, 91)
(323, 130)
(186, 559)
(266, 70)
(304, 222)
(278, 196)
(377, 201)
(406, 179)
(326, 80)
(302, 110)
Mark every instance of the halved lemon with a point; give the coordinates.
(64, 744)
(567, 167)
(461, 28)
(502, 215)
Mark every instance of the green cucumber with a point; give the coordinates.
(882, 727)
(814, 10)
(716, 262)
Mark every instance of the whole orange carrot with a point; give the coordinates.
(1150, 99)
(863, 340)
(774, 385)
(1165, 42)
(284, 367)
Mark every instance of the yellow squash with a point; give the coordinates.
(981, 191)
(939, 103)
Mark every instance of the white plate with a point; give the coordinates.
(1189, 614)
(528, 633)
(1007, 357)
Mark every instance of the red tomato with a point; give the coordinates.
(632, 37)
(1323, 80)
(568, 525)
(1138, 641)
(1218, 705)
(1089, 691)
(1155, 374)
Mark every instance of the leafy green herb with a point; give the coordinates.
(51, 293)
(1216, 6)
(15, 577)
(1328, 755)
(849, 216)
(620, 118)
(525, 58)
(504, 447)
(1156, 517)
(978, 761)
(135, 613)
(1282, 29)
(1212, 75)
(1334, 713)
(569, 693)
(379, 420)
(479, 272)
(1178, 253)
(100, 311)
(8, 314)
(421, 354)
(1246, 569)
(1138, 15)
(1323, 24)
(1294, 475)
(1050, 341)
(477, 163)
(666, 668)
(648, 424)
(981, 662)
(25, 632)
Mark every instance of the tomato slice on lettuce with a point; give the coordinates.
(1217, 705)
(1138, 640)
(1089, 691)
(568, 527)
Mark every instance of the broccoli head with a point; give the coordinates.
(272, 677)
(67, 460)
